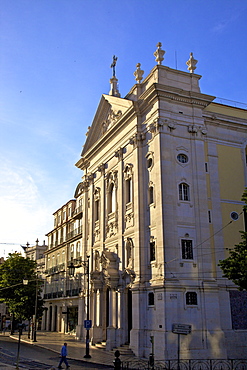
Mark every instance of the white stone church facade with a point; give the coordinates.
(163, 168)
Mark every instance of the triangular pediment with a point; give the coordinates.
(109, 112)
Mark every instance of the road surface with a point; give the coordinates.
(33, 357)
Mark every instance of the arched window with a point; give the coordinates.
(78, 249)
(72, 252)
(111, 198)
(184, 191)
(128, 177)
(96, 204)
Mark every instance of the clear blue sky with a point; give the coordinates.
(55, 58)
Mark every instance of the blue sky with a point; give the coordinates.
(55, 58)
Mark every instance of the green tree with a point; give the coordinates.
(20, 298)
(235, 266)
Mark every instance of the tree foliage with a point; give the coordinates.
(235, 266)
(20, 298)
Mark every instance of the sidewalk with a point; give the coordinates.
(76, 349)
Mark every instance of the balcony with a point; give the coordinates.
(77, 213)
(55, 269)
(74, 233)
(73, 292)
(64, 288)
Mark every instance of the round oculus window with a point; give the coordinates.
(182, 158)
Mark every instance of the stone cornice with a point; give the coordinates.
(157, 91)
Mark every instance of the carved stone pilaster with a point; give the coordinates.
(101, 168)
(170, 124)
(89, 178)
(194, 129)
(137, 139)
(119, 154)
(156, 126)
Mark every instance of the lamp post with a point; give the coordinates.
(72, 268)
(35, 312)
(34, 321)
(87, 355)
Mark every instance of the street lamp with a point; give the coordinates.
(35, 312)
(72, 268)
(34, 321)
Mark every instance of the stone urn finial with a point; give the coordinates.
(138, 73)
(191, 63)
(159, 53)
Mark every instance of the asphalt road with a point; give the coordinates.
(34, 357)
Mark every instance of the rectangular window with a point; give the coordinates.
(152, 251)
(187, 249)
(209, 217)
(128, 184)
(191, 298)
(184, 192)
(151, 299)
(151, 195)
(96, 210)
(238, 302)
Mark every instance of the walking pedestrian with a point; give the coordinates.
(64, 353)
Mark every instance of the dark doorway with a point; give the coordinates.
(107, 307)
(55, 315)
(50, 317)
(72, 316)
